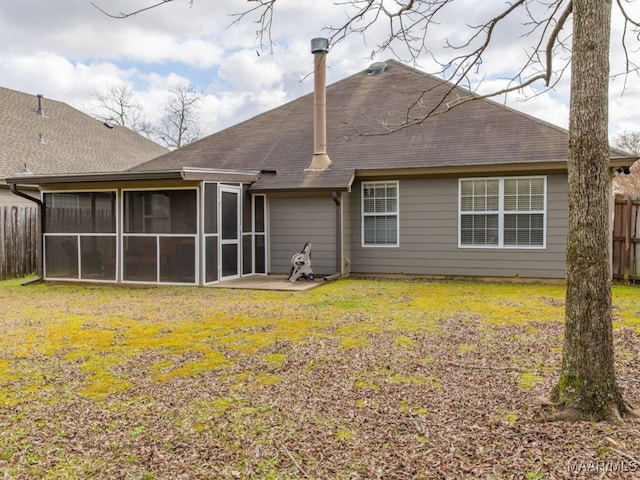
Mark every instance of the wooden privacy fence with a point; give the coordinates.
(626, 238)
(18, 246)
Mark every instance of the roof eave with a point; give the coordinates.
(190, 173)
(335, 188)
(92, 177)
(193, 174)
(556, 166)
(623, 161)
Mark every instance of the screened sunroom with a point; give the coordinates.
(173, 232)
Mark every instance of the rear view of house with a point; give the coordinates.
(476, 191)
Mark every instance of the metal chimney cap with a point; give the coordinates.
(319, 45)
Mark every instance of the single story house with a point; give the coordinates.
(41, 135)
(478, 191)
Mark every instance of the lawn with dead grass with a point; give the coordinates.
(356, 379)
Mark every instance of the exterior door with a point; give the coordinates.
(230, 232)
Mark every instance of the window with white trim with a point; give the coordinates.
(64, 200)
(380, 214)
(502, 212)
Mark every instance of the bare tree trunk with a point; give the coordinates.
(587, 387)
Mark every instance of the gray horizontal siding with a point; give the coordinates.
(8, 199)
(295, 221)
(347, 233)
(429, 237)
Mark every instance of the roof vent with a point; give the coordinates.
(108, 125)
(25, 171)
(40, 110)
(377, 68)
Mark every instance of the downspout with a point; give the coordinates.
(41, 211)
(335, 196)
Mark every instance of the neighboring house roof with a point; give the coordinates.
(478, 133)
(63, 140)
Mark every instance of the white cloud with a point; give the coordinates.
(58, 78)
(244, 70)
(623, 106)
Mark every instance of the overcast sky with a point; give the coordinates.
(66, 49)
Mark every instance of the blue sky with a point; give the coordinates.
(67, 49)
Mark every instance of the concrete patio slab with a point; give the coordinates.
(269, 282)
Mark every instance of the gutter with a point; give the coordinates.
(186, 173)
(297, 190)
(40, 244)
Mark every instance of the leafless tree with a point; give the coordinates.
(180, 124)
(629, 141)
(561, 34)
(117, 105)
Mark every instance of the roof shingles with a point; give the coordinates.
(65, 140)
(481, 132)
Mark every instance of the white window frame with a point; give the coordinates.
(501, 212)
(56, 197)
(385, 214)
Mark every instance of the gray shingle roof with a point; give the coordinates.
(65, 140)
(481, 132)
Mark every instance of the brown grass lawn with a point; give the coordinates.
(353, 380)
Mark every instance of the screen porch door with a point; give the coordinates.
(230, 261)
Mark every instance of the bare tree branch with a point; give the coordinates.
(628, 20)
(403, 23)
(130, 14)
(626, 15)
(464, 64)
(265, 20)
(117, 105)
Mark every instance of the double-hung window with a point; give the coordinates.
(502, 212)
(380, 214)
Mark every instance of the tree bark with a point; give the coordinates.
(587, 388)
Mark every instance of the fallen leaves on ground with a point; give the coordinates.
(354, 380)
